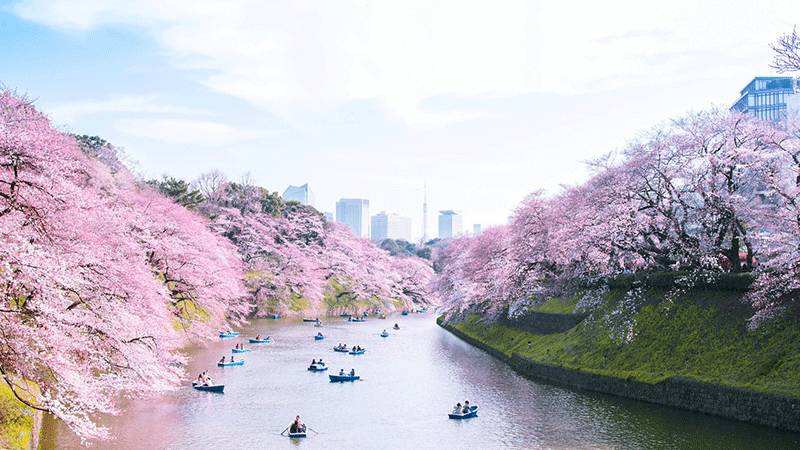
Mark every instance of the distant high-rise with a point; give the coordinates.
(328, 216)
(476, 229)
(301, 194)
(449, 224)
(354, 212)
(769, 98)
(425, 213)
(390, 226)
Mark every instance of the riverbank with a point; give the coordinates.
(19, 424)
(693, 352)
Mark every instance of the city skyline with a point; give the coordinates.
(484, 130)
(305, 195)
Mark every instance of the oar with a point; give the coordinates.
(315, 431)
(284, 431)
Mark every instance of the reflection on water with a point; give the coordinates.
(410, 381)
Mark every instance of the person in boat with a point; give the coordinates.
(341, 372)
(352, 372)
(313, 361)
(466, 406)
(297, 426)
(258, 337)
(457, 409)
(320, 362)
(222, 361)
(319, 333)
(396, 326)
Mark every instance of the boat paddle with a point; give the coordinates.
(315, 431)
(284, 431)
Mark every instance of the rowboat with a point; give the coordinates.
(240, 350)
(229, 364)
(260, 341)
(357, 352)
(473, 412)
(341, 350)
(317, 368)
(209, 388)
(384, 334)
(405, 313)
(319, 337)
(357, 319)
(275, 316)
(310, 320)
(297, 435)
(343, 378)
(227, 334)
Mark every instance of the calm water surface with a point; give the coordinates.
(410, 381)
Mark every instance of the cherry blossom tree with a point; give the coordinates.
(96, 271)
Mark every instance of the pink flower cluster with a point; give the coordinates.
(713, 192)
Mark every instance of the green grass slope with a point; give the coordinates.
(701, 336)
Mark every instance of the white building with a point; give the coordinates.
(449, 224)
(301, 194)
(354, 212)
(390, 226)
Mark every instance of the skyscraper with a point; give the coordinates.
(328, 216)
(354, 212)
(769, 98)
(390, 226)
(476, 229)
(301, 194)
(425, 213)
(449, 224)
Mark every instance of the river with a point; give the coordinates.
(410, 381)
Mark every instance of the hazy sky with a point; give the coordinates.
(487, 101)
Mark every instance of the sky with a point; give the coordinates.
(483, 101)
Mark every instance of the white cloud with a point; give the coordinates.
(69, 113)
(185, 131)
(292, 58)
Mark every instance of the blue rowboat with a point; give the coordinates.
(319, 337)
(260, 341)
(357, 352)
(341, 350)
(298, 435)
(209, 388)
(227, 334)
(276, 316)
(342, 379)
(405, 313)
(317, 368)
(384, 334)
(473, 412)
(240, 350)
(357, 320)
(229, 364)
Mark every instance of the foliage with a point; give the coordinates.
(95, 270)
(400, 247)
(291, 252)
(710, 198)
(178, 190)
(703, 335)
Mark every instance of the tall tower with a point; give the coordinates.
(425, 213)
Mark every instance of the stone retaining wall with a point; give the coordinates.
(732, 403)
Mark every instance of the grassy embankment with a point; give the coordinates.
(702, 335)
(16, 421)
